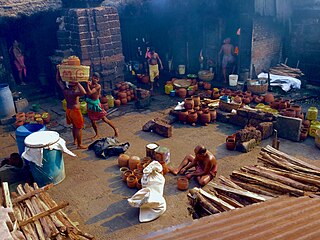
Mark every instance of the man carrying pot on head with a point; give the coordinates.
(153, 59)
(204, 162)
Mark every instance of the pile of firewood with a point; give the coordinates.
(37, 216)
(284, 70)
(280, 174)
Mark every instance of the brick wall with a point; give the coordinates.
(93, 34)
(266, 43)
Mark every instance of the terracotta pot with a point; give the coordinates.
(183, 183)
(259, 99)
(118, 85)
(306, 123)
(30, 115)
(269, 98)
(275, 104)
(18, 123)
(122, 87)
(213, 115)
(290, 112)
(122, 95)
(126, 174)
(21, 116)
(237, 99)
(230, 144)
(297, 109)
(205, 118)
(123, 160)
(199, 112)
(139, 185)
(117, 102)
(124, 101)
(196, 100)
(303, 134)
(188, 103)
(140, 166)
(182, 92)
(288, 103)
(248, 93)
(103, 99)
(133, 161)
(39, 120)
(183, 116)
(132, 181)
(129, 98)
(123, 170)
(192, 117)
(146, 160)
(207, 86)
(246, 99)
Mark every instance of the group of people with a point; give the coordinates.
(72, 94)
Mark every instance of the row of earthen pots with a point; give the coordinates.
(123, 94)
(31, 117)
(203, 116)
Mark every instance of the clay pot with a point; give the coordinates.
(18, 123)
(123, 170)
(21, 116)
(231, 142)
(140, 166)
(122, 95)
(123, 160)
(306, 123)
(118, 85)
(248, 93)
(269, 98)
(207, 86)
(132, 181)
(117, 102)
(213, 115)
(30, 115)
(133, 161)
(103, 99)
(182, 92)
(216, 95)
(199, 112)
(275, 104)
(124, 101)
(259, 99)
(205, 118)
(188, 103)
(196, 100)
(39, 120)
(290, 112)
(139, 185)
(192, 117)
(126, 174)
(183, 183)
(237, 99)
(303, 134)
(183, 116)
(283, 104)
(297, 109)
(246, 99)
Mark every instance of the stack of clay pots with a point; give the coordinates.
(123, 94)
(31, 117)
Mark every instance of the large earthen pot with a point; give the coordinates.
(213, 115)
(188, 103)
(123, 160)
(205, 118)
(196, 100)
(182, 92)
(269, 98)
(183, 116)
(192, 117)
(133, 162)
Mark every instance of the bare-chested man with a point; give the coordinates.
(204, 162)
(153, 59)
(73, 112)
(95, 109)
(227, 49)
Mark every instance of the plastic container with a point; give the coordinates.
(6, 102)
(312, 113)
(23, 131)
(110, 101)
(64, 104)
(52, 169)
(168, 88)
(83, 107)
(315, 125)
(172, 93)
(182, 69)
(233, 80)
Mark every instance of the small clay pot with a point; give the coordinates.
(117, 102)
(18, 123)
(283, 104)
(306, 123)
(123, 170)
(124, 101)
(275, 104)
(123, 160)
(126, 174)
(122, 95)
(183, 183)
(246, 99)
(290, 112)
(303, 134)
(269, 98)
(132, 181)
(192, 117)
(297, 109)
(231, 142)
(103, 99)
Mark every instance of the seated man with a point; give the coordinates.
(204, 162)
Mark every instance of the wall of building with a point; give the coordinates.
(266, 43)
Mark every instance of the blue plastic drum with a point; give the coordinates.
(52, 169)
(23, 131)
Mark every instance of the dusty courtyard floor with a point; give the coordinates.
(93, 187)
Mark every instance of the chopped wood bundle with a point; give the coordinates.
(38, 216)
(281, 174)
(284, 70)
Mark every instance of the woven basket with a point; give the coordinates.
(257, 88)
(227, 107)
(205, 75)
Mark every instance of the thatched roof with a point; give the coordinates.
(18, 8)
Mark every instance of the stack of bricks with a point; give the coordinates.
(93, 34)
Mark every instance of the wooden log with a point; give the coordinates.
(266, 158)
(244, 193)
(204, 203)
(276, 177)
(46, 213)
(32, 193)
(255, 189)
(268, 183)
(6, 195)
(220, 202)
(33, 213)
(231, 201)
(17, 235)
(229, 183)
(240, 199)
(290, 158)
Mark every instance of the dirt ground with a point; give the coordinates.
(93, 186)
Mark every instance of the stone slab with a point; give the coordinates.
(288, 128)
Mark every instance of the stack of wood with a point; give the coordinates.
(280, 174)
(38, 216)
(284, 70)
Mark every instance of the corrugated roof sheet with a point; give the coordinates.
(279, 218)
